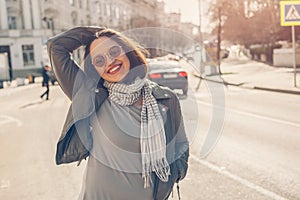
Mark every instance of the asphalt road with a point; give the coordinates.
(259, 145)
(256, 155)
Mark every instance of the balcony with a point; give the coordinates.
(13, 4)
(10, 33)
(51, 9)
(25, 33)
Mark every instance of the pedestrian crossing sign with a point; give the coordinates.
(290, 13)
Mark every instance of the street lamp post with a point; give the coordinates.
(201, 67)
(200, 24)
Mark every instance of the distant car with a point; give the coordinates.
(169, 73)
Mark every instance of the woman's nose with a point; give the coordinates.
(110, 60)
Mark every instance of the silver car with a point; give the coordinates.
(169, 73)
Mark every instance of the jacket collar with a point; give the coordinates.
(160, 93)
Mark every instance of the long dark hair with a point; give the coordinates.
(135, 53)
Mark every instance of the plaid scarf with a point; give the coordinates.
(152, 139)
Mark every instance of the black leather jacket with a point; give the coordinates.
(87, 96)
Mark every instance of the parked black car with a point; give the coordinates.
(169, 73)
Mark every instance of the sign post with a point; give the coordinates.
(294, 56)
(290, 16)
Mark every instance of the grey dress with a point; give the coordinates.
(114, 166)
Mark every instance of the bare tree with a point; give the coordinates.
(254, 21)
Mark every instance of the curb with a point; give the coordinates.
(248, 87)
(11, 90)
(277, 90)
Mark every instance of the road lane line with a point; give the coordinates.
(4, 184)
(234, 177)
(253, 115)
(5, 119)
(266, 118)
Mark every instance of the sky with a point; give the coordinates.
(189, 10)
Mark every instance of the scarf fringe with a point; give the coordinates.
(160, 168)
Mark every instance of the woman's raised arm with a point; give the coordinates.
(60, 48)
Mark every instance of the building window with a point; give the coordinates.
(88, 20)
(99, 8)
(87, 5)
(12, 22)
(104, 8)
(74, 18)
(28, 55)
(50, 24)
(124, 14)
(117, 11)
(107, 9)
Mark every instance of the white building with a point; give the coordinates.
(25, 26)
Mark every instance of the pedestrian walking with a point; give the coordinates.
(130, 129)
(45, 82)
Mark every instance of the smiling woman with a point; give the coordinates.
(130, 128)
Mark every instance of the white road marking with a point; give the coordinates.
(266, 118)
(4, 184)
(5, 119)
(253, 115)
(242, 181)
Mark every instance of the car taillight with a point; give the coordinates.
(157, 75)
(184, 74)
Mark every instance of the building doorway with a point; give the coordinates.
(6, 49)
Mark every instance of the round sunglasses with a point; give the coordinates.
(113, 52)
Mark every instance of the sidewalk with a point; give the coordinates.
(246, 73)
(14, 86)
